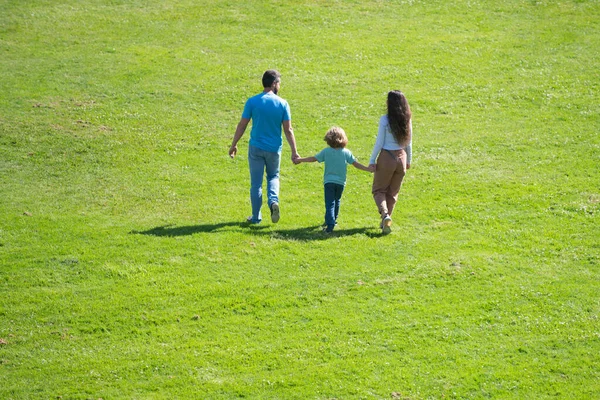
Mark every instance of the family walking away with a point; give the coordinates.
(268, 113)
(336, 157)
(393, 152)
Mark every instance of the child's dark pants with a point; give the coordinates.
(333, 196)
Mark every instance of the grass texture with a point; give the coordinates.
(126, 270)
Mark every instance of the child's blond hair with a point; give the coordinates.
(336, 138)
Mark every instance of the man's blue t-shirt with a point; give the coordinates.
(267, 112)
(335, 164)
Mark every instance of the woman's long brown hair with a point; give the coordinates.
(399, 116)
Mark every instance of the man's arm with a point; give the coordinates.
(239, 132)
(289, 135)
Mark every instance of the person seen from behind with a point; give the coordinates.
(269, 113)
(393, 152)
(336, 157)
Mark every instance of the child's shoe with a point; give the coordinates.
(250, 220)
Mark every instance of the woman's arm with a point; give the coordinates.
(408, 148)
(378, 143)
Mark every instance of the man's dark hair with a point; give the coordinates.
(270, 77)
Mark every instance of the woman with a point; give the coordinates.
(393, 146)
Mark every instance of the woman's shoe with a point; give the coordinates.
(386, 225)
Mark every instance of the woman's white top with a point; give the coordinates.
(385, 140)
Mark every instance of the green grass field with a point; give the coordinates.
(126, 268)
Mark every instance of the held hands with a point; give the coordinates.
(296, 158)
(371, 167)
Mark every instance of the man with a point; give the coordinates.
(268, 113)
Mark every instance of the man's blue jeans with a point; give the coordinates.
(333, 198)
(261, 161)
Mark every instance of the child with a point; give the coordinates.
(336, 156)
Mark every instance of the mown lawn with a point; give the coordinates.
(126, 268)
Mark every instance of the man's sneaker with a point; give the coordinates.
(275, 212)
(386, 224)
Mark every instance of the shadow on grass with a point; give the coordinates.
(315, 233)
(173, 231)
(301, 234)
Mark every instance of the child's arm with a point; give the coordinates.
(362, 167)
(305, 159)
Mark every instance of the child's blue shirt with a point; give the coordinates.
(336, 161)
